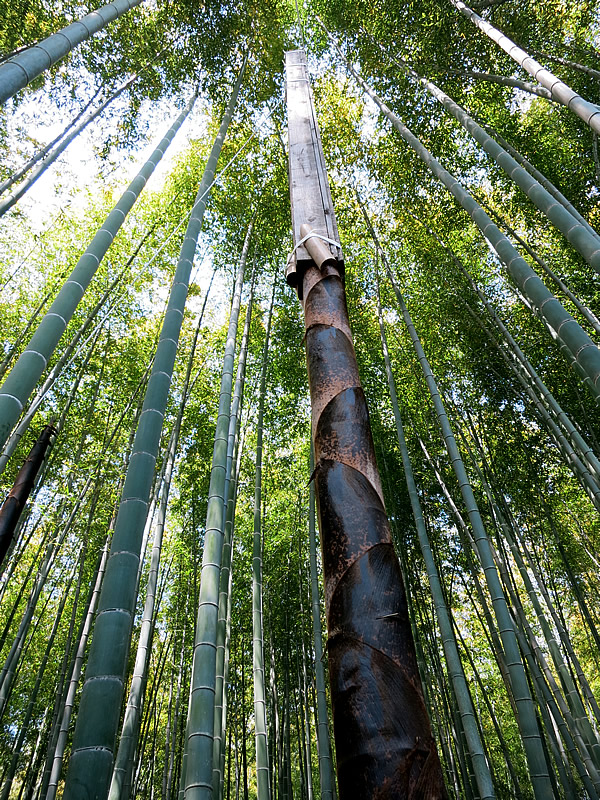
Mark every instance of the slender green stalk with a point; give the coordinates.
(258, 660)
(232, 470)
(21, 380)
(562, 325)
(326, 770)
(481, 767)
(586, 111)
(18, 745)
(198, 758)
(51, 157)
(502, 80)
(23, 426)
(91, 761)
(76, 668)
(22, 68)
(24, 169)
(526, 712)
(541, 178)
(585, 242)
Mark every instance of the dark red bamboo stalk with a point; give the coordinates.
(15, 502)
(384, 745)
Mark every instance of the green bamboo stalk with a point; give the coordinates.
(21, 380)
(22, 68)
(566, 63)
(481, 768)
(232, 469)
(198, 758)
(579, 236)
(121, 777)
(574, 715)
(541, 178)
(563, 326)
(526, 712)
(258, 660)
(75, 674)
(522, 367)
(121, 774)
(573, 459)
(586, 111)
(91, 760)
(502, 80)
(226, 573)
(68, 356)
(51, 157)
(24, 169)
(7, 675)
(18, 745)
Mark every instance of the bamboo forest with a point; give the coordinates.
(299, 375)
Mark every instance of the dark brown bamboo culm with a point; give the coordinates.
(15, 502)
(384, 744)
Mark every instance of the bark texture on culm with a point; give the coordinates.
(383, 739)
(384, 745)
(15, 502)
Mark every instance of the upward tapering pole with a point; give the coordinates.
(383, 738)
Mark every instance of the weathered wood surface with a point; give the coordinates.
(309, 189)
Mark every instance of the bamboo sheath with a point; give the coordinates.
(370, 647)
(23, 377)
(20, 70)
(384, 744)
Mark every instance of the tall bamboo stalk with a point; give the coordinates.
(90, 766)
(22, 68)
(481, 767)
(574, 341)
(326, 769)
(586, 111)
(198, 760)
(225, 578)
(258, 660)
(52, 155)
(580, 236)
(21, 380)
(526, 713)
(120, 786)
